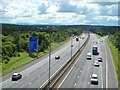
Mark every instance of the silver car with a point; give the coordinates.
(96, 64)
(16, 76)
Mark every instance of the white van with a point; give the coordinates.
(89, 56)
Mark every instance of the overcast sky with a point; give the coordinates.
(59, 12)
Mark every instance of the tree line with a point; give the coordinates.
(115, 39)
(15, 38)
(112, 31)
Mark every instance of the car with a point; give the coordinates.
(89, 56)
(72, 45)
(100, 59)
(82, 37)
(96, 64)
(57, 57)
(77, 39)
(16, 76)
(94, 79)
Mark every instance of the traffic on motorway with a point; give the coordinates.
(89, 64)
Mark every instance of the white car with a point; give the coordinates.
(94, 79)
(89, 56)
(96, 64)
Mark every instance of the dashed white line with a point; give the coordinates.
(78, 76)
(30, 83)
(70, 71)
(75, 84)
(101, 78)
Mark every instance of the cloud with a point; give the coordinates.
(67, 7)
(52, 9)
(58, 12)
(42, 8)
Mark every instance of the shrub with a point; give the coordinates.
(18, 54)
(6, 61)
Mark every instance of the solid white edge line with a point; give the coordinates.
(106, 66)
(112, 61)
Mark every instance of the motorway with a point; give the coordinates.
(80, 74)
(36, 75)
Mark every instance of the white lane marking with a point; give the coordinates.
(101, 70)
(112, 63)
(106, 66)
(30, 83)
(75, 84)
(69, 71)
(101, 76)
(88, 83)
(78, 76)
(80, 70)
(53, 74)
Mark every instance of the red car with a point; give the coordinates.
(100, 59)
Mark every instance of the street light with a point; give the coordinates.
(49, 56)
(71, 45)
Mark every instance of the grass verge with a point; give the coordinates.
(116, 58)
(98, 36)
(24, 58)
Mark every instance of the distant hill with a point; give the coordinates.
(10, 28)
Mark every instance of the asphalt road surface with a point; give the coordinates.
(36, 75)
(80, 74)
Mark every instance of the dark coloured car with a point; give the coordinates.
(16, 76)
(57, 57)
(72, 45)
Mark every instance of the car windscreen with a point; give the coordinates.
(94, 77)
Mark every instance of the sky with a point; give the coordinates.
(59, 12)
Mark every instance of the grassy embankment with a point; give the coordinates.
(116, 58)
(17, 62)
(98, 36)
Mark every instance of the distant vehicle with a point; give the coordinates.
(96, 64)
(57, 57)
(77, 39)
(100, 59)
(82, 37)
(16, 76)
(72, 45)
(94, 79)
(95, 50)
(89, 56)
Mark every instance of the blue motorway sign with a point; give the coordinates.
(33, 44)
